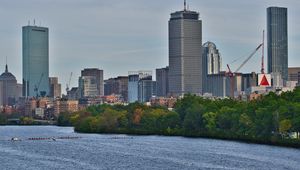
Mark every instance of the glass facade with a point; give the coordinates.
(35, 44)
(277, 35)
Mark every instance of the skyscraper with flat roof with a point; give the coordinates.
(185, 53)
(35, 47)
(162, 81)
(98, 74)
(277, 35)
(139, 86)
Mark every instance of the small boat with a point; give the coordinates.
(53, 139)
(15, 139)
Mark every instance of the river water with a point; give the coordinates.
(94, 151)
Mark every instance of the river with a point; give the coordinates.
(95, 151)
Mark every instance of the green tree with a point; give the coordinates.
(209, 119)
(193, 119)
(3, 119)
(284, 126)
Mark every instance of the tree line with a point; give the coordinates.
(272, 119)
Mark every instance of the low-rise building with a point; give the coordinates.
(163, 101)
(64, 105)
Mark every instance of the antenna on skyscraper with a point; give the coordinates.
(6, 69)
(34, 22)
(184, 5)
(28, 22)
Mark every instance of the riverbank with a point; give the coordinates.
(291, 143)
(272, 119)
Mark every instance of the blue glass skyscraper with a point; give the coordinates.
(35, 46)
(277, 35)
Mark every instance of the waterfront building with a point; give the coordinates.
(145, 89)
(8, 88)
(29, 107)
(212, 58)
(163, 101)
(98, 74)
(117, 86)
(55, 87)
(277, 36)
(63, 105)
(88, 86)
(154, 88)
(73, 94)
(220, 84)
(134, 77)
(35, 48)
(185, 53)
(162, 82)
(293, 73)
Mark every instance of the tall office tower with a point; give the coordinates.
(88, 86)
(55, 87)
(213, 58)
(134, 78)
(35, 44)
(277, 35)
(145, 89)
(98, 74)
(185, 53)
(8, 88)
(162, 82)
(118, 86)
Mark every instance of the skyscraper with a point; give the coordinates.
(162, 81)
(185, 56)
(211, 61)
(8, 88)
(87, 86)
(55, 87)
(277, 35)
(117, 86)
(139, 86)
(35, 43)
(212, 58)
(98, 74)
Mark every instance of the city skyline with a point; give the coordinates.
(116, 50)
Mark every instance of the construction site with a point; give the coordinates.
(245, 86)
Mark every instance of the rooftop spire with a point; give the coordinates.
(184, 5)
(6, 68)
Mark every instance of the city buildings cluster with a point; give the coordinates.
(194, 68)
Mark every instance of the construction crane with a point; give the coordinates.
(232, 74)
(37, 86)
(263, 57)
(68, 84)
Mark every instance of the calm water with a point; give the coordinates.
(94, 151)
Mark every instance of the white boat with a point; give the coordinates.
(15, 139)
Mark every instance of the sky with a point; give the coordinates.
(128, 35)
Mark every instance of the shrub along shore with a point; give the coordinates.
(272, 119)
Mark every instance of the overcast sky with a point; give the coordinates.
(127, 35)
